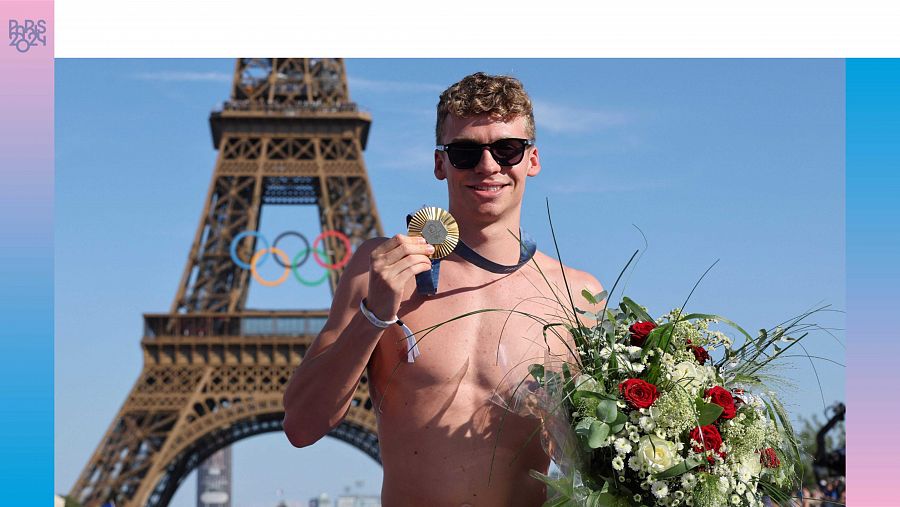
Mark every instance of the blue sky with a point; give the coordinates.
(736, 160)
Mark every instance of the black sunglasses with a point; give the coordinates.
(466, 154)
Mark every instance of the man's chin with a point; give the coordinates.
(486, 213)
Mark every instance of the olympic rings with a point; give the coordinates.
(318, 252)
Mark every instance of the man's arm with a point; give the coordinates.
(319, 393)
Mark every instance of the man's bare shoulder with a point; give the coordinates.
(576, 279)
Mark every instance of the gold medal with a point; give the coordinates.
(438, 227)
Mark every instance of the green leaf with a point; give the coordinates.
(708, 412)
(579, 395)
(619, 423)
(636, 310)
(655, 337)
(607, 411)
(660, 337)
(598, 433)
(590, 315)
(584, 426)
(537, 371)
(563, 486)
(593, 299)
(684, 466)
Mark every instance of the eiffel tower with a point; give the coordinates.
(214, 372)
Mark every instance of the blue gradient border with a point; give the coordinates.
(873, 276)
(26, 262)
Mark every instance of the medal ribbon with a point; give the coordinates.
(427, 282)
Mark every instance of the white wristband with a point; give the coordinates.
(412, 349)
(383, 324)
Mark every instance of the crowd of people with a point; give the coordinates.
(830, 492)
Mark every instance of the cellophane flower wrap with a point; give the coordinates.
(646, 414)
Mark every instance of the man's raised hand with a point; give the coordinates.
(391, 266)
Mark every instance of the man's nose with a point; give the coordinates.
(487, 164)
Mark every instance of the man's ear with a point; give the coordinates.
(534, 162)
(440, 171)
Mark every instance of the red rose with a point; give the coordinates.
(711, 439)
(638, 393)
(769, 458)
(700, 353)
(723, 398)
(639, 332)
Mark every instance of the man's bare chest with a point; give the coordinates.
(478, 335)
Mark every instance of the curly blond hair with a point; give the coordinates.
(502, 97)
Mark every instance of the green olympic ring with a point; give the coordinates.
(295, 265)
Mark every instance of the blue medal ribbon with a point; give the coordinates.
(427, 281)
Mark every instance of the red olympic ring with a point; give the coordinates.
(343, 238)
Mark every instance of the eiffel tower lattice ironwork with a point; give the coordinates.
(214, 372)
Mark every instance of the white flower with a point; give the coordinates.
(688, 481)
(618, 463)
(586, 383)
(622, 446)
(634, 368)
(749, 467)
(646, 424)
(634, 416)
(689, 375)
(740, 488)
(722, 485)
(634, 463)
(659, 489)
(656, 453)
(735, 499)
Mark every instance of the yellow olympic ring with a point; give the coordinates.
(287, 266)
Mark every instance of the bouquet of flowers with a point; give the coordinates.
(646, 416)
(665, 411)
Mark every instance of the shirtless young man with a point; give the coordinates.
(438, 432)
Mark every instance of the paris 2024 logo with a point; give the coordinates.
(26, 35)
